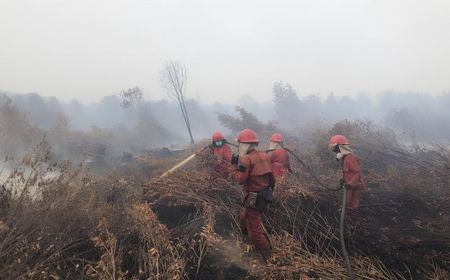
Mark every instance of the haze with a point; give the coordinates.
(88, 49)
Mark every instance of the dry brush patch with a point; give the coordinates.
(304, 240)
(78, 226)
(74, 225)
(403, 220)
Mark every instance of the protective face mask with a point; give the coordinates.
(274, 146)
(244, 149)
(343, 150)
(218, 143)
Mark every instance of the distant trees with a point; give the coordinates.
(131, 97)
(173, 80)
(245, 120)
(288, 106)
(147, 131)
(61, 129)
(17, 132)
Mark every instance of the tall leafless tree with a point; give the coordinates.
(174, 79)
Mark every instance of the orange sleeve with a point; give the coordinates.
(241, 174)
(227, 153)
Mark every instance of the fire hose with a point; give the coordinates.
(342, 238)
(178, 166)
(344, 200)
(311, 173)
(342, 220)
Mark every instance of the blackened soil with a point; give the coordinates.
(173, 216)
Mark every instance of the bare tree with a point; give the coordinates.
(131, 97)
(174, 79)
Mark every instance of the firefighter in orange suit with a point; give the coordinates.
(254, 172)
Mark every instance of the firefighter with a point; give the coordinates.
(223, 154)
(279, 157)
(351, 170)
(254, 172)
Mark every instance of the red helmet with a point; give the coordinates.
(277, 137)
(338, 140)
(217, 136)
(247, 136)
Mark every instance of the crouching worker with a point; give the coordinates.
(254, 172)
(279, 157)
(223, 154)
(352, 178)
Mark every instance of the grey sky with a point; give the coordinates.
(86, 49)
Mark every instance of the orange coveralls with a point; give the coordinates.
(255, 174)
(353, 180)
(223, 163)
(280, 163)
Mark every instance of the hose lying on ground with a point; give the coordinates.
(341, 226)
(341, 236)
(344, 200)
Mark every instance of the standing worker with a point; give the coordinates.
(254, 172)
(222, 152)
(351, 170)
(279, 157)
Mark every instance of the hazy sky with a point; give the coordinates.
(86, 49)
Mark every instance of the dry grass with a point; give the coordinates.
(74, 225)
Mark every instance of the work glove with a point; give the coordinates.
(235, 159)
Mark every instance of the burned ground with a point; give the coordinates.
(128, 224)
